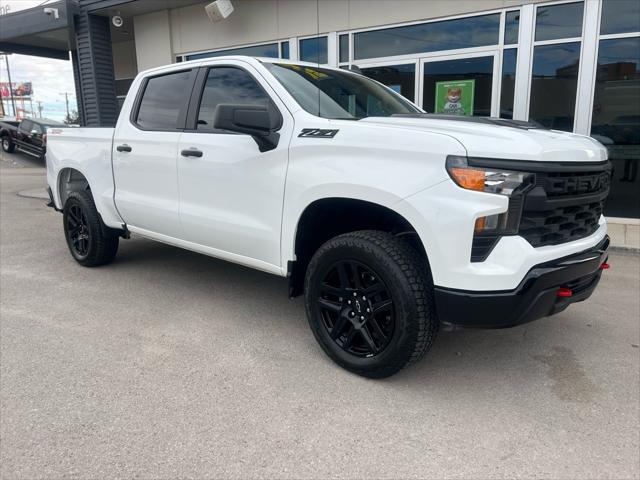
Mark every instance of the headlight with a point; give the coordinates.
(484, 179)
(492, 180)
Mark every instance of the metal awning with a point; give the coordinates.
(44, 31)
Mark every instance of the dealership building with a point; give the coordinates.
(569, 65)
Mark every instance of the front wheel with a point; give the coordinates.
(90, 241)
(369, 301)
(7, 145)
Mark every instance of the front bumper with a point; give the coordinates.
(535, 297)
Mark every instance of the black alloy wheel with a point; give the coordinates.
(78, 230)
(90, 241)
(369, 301)
(356, 308)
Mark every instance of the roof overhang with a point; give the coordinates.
(130, 8)
(33, 31)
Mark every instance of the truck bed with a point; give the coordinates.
(88, 151)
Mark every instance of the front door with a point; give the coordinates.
(461, 85)
(145, 155)
(231, 196)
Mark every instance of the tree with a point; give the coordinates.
(72, 118)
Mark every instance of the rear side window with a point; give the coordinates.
(228, 85)
(26, 125)
(163, 99)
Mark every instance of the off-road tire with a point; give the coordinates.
(408, 280)
(102, 242)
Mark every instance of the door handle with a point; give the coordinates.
(123, 148)
(191, 152)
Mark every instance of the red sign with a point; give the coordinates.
(20, 89)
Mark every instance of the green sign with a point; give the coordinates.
(455, 97)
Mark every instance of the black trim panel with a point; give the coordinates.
(534, 298)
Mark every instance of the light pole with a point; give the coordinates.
(66, 99)
(13, 102)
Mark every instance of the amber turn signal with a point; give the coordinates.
(468, 178)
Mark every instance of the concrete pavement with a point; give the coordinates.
(170, 364)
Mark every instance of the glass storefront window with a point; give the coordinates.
(268, 50)
(620, 16)
(616, 120)
(559, 21)
(479, 69)
(314, 50)
(400, 78)
(284, 49)
(508, 82)
(511, 26)
(554, 85)
(344, 48)
(428, 37)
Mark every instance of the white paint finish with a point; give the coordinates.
(87, 150)
(146, 179)
(231, 197)
(153, 39)
(481, 140)
(444, 217)
(212, 252)
(229, 204)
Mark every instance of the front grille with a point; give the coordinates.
(564, 206)
(560, 225)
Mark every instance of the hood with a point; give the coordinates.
(506, 139)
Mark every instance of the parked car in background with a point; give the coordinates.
(28, 136)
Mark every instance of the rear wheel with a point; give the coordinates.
(7, 144)
(369, 301)
(90, 241)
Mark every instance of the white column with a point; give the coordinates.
(523, 67)
(588, 65)
(293, 49)
(332, 49)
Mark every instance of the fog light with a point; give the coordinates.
(565, 292)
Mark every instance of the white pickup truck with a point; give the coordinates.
(389, 220)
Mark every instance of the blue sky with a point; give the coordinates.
(49, 77)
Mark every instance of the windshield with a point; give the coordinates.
(334, 94)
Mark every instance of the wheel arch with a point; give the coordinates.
(71, 180)
(329, 217)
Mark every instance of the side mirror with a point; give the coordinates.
(259, 121)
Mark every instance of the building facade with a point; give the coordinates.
(569, 65)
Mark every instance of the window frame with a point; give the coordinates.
(191, 125)
(183, 56)
(320, 36)
(182, 114)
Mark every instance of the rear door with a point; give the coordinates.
(35, 139)
(231, 196)
(145, 150)
(22, 134)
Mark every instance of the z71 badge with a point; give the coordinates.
(318, 133)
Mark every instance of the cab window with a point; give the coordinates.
(163, 99)
(228, 85)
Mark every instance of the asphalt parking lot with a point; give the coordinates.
(169, 364)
